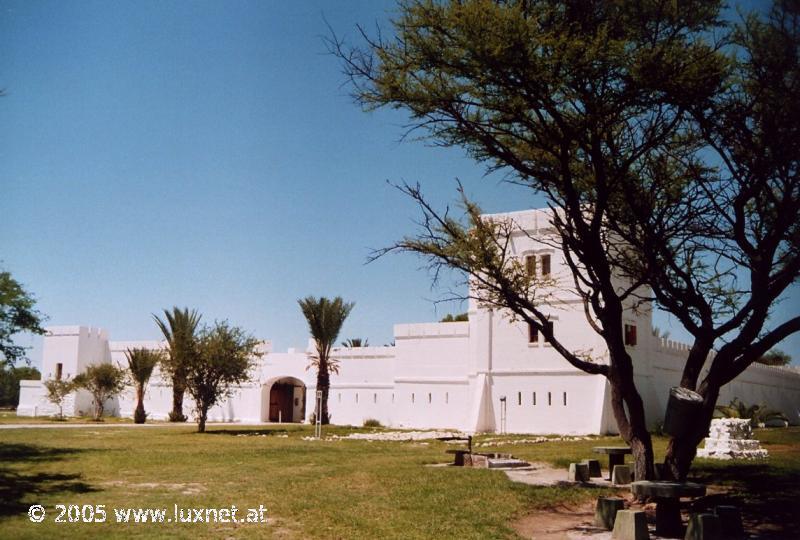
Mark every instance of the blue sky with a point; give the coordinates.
(206, 154)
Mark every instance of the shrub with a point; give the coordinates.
(371, 422)
(757, 414)
(103, 381)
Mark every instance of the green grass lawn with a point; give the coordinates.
(10, 417)
(312, 489)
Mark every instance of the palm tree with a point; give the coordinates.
(141, 363)
(179, 330)
(325, 319)
(355, 342)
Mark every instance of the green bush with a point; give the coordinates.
(371, 422)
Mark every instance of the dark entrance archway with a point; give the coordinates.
(283, 400)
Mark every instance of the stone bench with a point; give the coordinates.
(616, 455)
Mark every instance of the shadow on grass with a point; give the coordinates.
(250, 432)
(766, 496)
(17, 487)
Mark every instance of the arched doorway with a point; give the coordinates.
(283, 400)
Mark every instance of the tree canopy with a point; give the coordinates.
(654, 132)
(17, 314)
(103, 381)
(225, 356)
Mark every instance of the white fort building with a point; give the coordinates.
(472, 376)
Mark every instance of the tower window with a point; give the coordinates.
(545, 265)
(519, 398)
(374, 398)
(530, 265)
(534, 398)
(533, 333)
(59, 371)
(549, 398)
(565, 399)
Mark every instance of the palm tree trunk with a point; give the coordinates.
(178, 389)
(139, 416)
(323, 385)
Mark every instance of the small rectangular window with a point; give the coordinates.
(530, 265)
(534, 398)
(430, 398)
(630, 334)
(533, 333)
(565, 399)
(374, 398)
(549, 398)
(545, 265)
(412, 397)
(392, 397)
(447, 397)
(340, 397)
(519, 398)
(356, 397)
(59, 371)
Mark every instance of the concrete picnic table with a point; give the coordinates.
(616, 455)
(668, 499)
(459, 454)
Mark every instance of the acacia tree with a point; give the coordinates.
(608, 109)
(103, 381)
(570, 99)
(224, 357)
(179, 328)
(57, 391)
(17, 314)
(141, 363)
(734, 249)
(325, 318)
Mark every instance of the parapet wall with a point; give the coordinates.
(776, 387)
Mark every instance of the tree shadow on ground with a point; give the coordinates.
(766, 496)
(250, 432)
(17, 487)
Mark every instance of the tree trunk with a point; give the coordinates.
(98, 408)
(139, 416)
(201, 422)
(323, 385)
(681, 451)
(178, 389)
(629, 413)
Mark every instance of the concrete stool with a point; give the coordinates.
(730, 521)
(578, 472)
(606, 511)
(594, 468)
(630, 525)
(621, 475)
(703, 527)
